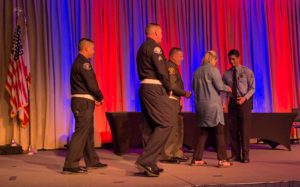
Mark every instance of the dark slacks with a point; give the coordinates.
(240, 123)
(218, 131)
(159, 112)
(82, 142)
(173, 146)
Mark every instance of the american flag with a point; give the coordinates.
(16, 83)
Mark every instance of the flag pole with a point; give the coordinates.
(31, 150)
(13, 143)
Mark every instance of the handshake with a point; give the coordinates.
(188, 94)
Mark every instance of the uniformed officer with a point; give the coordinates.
(172, 152)
(159, 111)
(85, 94)
(241, 80)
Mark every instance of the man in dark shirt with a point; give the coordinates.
(158, 109)
(85, 94)
(241, 80)
(172, 152)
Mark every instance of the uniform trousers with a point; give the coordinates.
(160, 113)
(173, 146)
(240, 122)
(82, 142)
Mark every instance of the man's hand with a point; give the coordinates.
(171, 93)
(241, 100)
(188, 94)
(229, 90)
(98, 103)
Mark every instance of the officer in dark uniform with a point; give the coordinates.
(158, 109)
(172, 152)
(85, 94)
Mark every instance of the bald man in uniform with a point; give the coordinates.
(172, 152)
(158, 109)
(85, 94)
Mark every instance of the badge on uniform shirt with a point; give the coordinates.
(171, 71)
(87, 66)
(157, 50)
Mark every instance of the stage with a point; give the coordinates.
(278, 167)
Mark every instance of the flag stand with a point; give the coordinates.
(12, 148)
(13, 82)
(31, 150)
(13, 143)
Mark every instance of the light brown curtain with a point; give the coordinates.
(51, 120)
(266, 32)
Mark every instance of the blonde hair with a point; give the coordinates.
(209, 56)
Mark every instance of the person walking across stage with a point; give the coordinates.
(241, 80)
(207, 86)
(85, 94)
(158, 109)
(172, 152)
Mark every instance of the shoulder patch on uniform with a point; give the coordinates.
(87, 66)
(157, 50)
(171, 71)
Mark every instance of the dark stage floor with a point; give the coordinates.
(277, 167)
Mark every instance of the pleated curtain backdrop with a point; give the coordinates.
(266, 32)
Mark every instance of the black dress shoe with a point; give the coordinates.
(97, 166)
(245, 160)
(78, 170)
(182, 159)
(83, 168)
(159, 169)
(234, 158)
(171, 161)
(148, 170)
